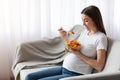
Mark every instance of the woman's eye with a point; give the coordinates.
(86, 20)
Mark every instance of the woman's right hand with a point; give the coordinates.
(63, 34)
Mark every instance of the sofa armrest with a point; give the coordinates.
(97, 76)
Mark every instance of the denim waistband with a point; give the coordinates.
(65, 71)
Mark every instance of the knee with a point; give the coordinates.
(29, 77)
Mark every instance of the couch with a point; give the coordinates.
(38, 55)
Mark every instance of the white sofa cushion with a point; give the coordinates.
(113, 58)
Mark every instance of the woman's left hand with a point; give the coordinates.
(75, 51)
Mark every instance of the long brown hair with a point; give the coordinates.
(94, 13)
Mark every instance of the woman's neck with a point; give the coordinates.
(92, 31)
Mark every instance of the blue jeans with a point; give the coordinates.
(54, 73)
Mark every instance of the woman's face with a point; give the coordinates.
(87, 22)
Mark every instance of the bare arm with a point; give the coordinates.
(64, 35)
(98, 63)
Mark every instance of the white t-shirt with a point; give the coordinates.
(90, 45)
